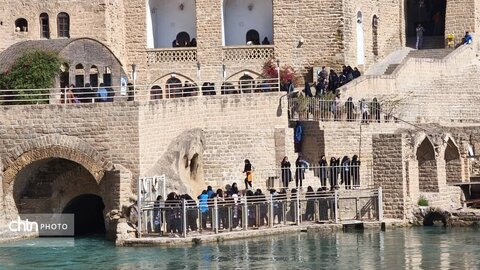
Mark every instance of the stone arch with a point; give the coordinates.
(162, 80)
(244, 72)
(166, 19)
(54, 146)
(453, 162)
(238, 17)
(21, 25)
(427, 166)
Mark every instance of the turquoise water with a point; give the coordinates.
(426, 248)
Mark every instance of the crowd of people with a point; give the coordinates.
(230, 205)
(87, 94)
(340, 171)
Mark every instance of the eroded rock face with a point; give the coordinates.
(182, 163)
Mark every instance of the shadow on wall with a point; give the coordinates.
(182, 163)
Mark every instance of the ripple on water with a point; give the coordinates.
(428, 248)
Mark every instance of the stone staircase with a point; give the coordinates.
(389, 63)
(429, 42)
(430, 53)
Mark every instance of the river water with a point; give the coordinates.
(412, 248)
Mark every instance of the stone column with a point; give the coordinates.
(388, 173)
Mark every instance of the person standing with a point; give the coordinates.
(301, 165)
(310, 210)
(298, 136)
(333, 173)
(420, 31)
(346, 172)
(286, 172)
(248, 170)
(203, 205)
(322, 174)
(355, 171)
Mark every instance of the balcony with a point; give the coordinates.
(250, 53)
(172, 55)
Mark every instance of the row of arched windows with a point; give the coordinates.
(63, 25)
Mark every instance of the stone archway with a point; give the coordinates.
(427, 167)
(453, 163)
(88, 211)
(42, 175)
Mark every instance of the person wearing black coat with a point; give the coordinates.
(322, 173)
(345, 171)
(355, 171)
(286, 172)
(333, 173)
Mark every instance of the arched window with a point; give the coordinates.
(79, 76)
(253, 37)
(427, 167)
(21, 25)
(156, 92)
(247, 84)
(174, 87)
(240, 17)
(63, 25)
(94, 76)
(375, 35)
(166, 19)
(44, 26)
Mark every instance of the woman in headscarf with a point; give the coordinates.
(310, 210)
(322, 174)
(248, 170)
(333, 173)
(286, 172)
(355, 171)
(346, 172)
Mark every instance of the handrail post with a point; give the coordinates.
(65, 95)
(272, 215)
(245, 214)
(297, 208)
(184, 217)
(380, 204)
(336, 206)
(215, 214)
(139, 208)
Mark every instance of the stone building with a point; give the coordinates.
(56, 157)
(303, 34)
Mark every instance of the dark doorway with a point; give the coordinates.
(88, 211)
(429, 13)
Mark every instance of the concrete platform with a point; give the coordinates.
(251, 233)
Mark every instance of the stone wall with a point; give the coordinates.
(232, 128)
(389, 173)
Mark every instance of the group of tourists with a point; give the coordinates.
(332, 81)
(87, 94)
(231, 208)
(339, 171)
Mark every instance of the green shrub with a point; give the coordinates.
(33, 70)
(422, 201)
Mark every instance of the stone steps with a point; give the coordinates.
(391, 68)
(429, 42)
(430, 53)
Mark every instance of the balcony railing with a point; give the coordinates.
(248, 53)
(171, 55)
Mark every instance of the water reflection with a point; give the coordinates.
(428, 248)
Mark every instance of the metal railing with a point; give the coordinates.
(318, 109)
(330, 177)
(187, 217)
(130, 93)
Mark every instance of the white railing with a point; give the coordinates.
(170, 55)
(248, 53)
(318, 109)
(234, 211)
(127, 93)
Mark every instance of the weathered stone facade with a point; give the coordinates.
(103, 148)
(305, 34)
